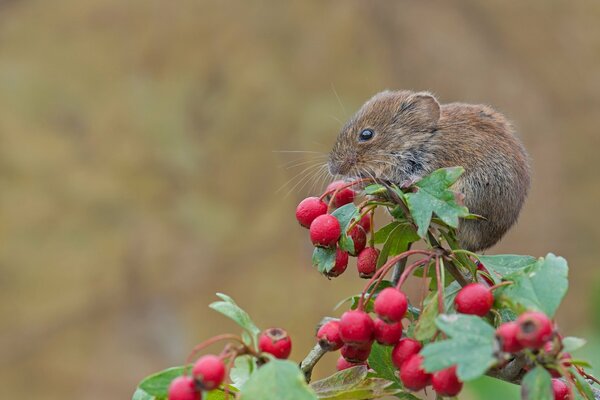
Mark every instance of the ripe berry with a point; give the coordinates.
(534, 329)
(412, 374)
(329, 336)
(387, 334)
(482, 268)
(275, 341)
(341, 262)
(391, 305)
(474, 299)
(342, 197)
(183, 388)
(356, 354)
(365, 222)
(367, 262)
(343, 364)
(507, 336)
(309, 209)
(357, 328)
(561, 390)
(446, 383)
(359, 237)
(209, 372)
(403, 350)
(325, 231)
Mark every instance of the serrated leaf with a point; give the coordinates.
(380, 360)
(434, 196)
(470, 346)
(345, 215)
(157, 384)
(425, 327)
(278, 379)
(571, 343)
(324, 259)
(342, 380)
(537, 385)
(140, 394)
(397, 241)
(505, 264)
(540, 286)
(230, 309)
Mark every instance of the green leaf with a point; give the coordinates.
(434, 196)
(139, 394)
(157, 384)
(397, 241)
(470, 346)
(537, 385)
(541, 286)
(571, 343)
(230, 309)
(375, 189)
(324, 259)
(380, 360)
(278, 379)
(345, 215)
(242, 369)
(504, 264)
(425, 327)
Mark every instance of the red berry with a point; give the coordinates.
(561, 390)
(183, 388)
(357, 328)
(359, 237)
(341, 262)
(565, 359)
(209, 372)
(275, 341)
(309, 209)
(534, 329)
(391, 305)
(412, 374)
(325, 231)
(482, 268)
(365, 222)
(474, 299)
(342, 197)
(367, 262)
(343, 364)
(446, 383)
(507, 336)
(387, 334)
(356, 354)
(329, 336)
(403, 350)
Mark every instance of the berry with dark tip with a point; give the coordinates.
(412, 374)
(209, 372)
(343, 364)
(534, 329)
(356, 354)
(325, 231)
(275, 341)
(403, 350)
(342, 197)
(387, 334)
(507, 336)
(561, 390)
(329, 336)
(391, 305)
(309, 209)
(183, 388)
(366, 262)
(341, 263)
(474, 299)
(446, 383)
(359, 237)
(357, 328)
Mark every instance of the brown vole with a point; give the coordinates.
(402, 135)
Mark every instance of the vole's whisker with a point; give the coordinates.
(305, 178)
(299, 174)
(299, 151)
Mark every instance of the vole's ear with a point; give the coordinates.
(420, 110)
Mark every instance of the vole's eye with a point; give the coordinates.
(365, 134)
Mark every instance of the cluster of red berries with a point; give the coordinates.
(209, 371)
(325, 229)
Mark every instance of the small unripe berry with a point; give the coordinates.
(275, 341)
(343, 364)
(507, 336)
(365, 222)
(391, 305)
(561, 390)
(482, 268)
(209, 372)
(387, 334)
(366, 263)
(356, 354)
(329, 336)
(403, 350)
(341, 263)
(357, 328)
(309, 209)
(534, 329)
(359, 237)
(325, 231)
(342, 197)
(446, 383)
(474, 299)
(412, 374)
(183, 388)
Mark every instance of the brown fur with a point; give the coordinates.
(414, 136)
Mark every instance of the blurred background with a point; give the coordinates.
(142, 165)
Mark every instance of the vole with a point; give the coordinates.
(400, 136)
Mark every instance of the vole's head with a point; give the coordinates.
(387, 138)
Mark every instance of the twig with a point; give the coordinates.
(311, 360)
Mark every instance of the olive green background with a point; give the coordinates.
(140, 162)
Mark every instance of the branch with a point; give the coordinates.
(311, 360)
